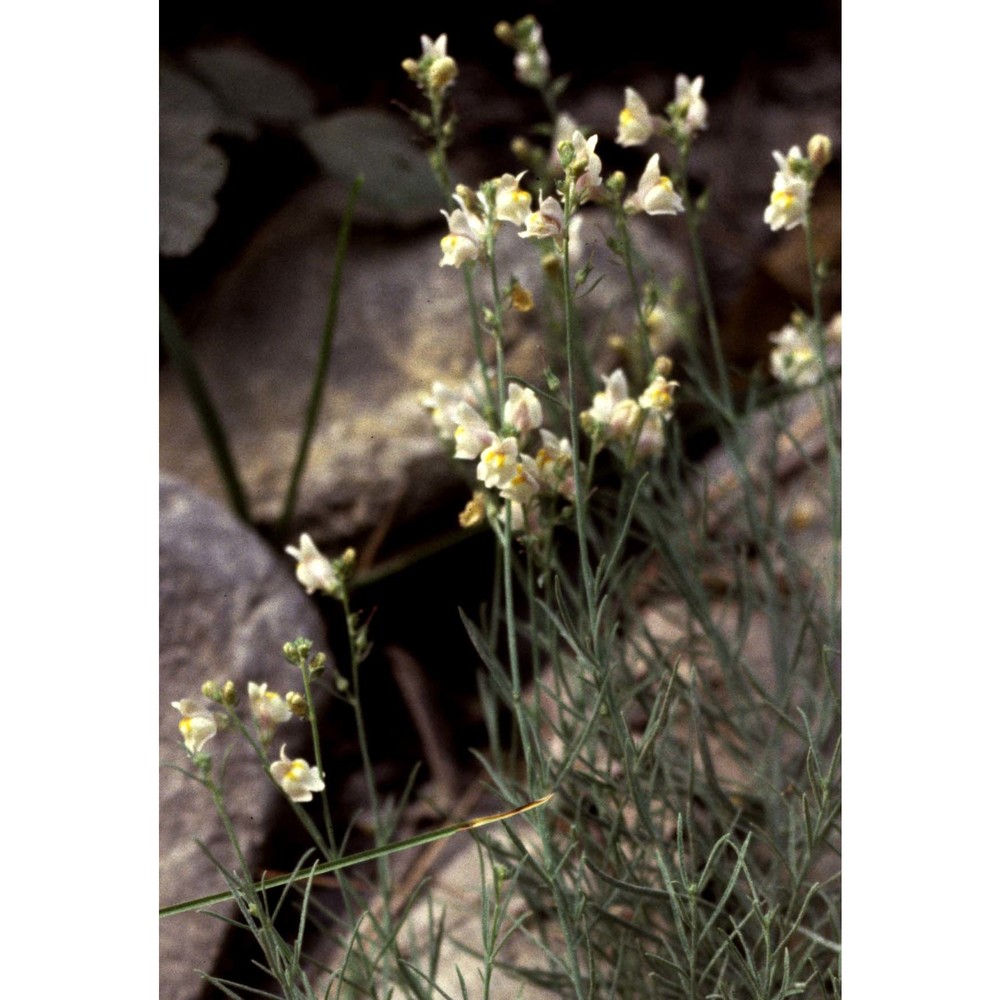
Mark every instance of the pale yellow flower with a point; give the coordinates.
(297, 779)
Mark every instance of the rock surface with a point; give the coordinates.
(227, 605)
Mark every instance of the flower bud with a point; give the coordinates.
(505, 33)
(616, 183)
(521, 298)
(211, 691)
(474, 512)
(229, 693)
(411, 68)
(663, 366)
(442, 72)
(298, 704)
(819, 150)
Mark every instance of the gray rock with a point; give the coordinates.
(227, 605)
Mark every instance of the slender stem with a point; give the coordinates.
(626, 244)
(515, 665)
(359, 718)
(317, 749)
(829, 418)
(208, 416)
(704, 289)
(322, 363)
(580, 489)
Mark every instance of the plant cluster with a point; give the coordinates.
(661, 695)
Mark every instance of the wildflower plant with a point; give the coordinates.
(660, 668)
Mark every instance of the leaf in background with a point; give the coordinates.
(398, 179)
(191, 168)
(251, 88)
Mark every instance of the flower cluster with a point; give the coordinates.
(478, 214)
(794, 357)
(531, 58)
(686, 115)
(520, 474)
(615, 416)
(435, 71)
(794, 181)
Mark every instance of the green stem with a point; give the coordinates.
(317, 750)
(829, 418)
(347, 861)
(208, 416)
(704, 289)
(322, 363)
(626, 244)
(585, 570)
(359, 719)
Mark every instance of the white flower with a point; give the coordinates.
(690, 106)
(562, 132)
(531, 61)
(197, 724)
(635, 123)
(269, 709)
(466, 236)
(554, 461)
(498, 462)
(513, 204)
(613, 414)
(793, 359)
(659, 396)
(297, 779)
(790, 194)
(589, 180)
(547, 221)
(651, 440)
(522, 411)
(472, 433)
(314, 570)
(525, 483)
(655, 194)
(441, 401)
(438, 49)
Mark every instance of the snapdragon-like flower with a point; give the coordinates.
(554, 461)
(655, 194)
(790, 193)
(269, 709)
(689, 110)
(197, 724)
(513, 203)
(588, 163)
(436, 70)
(466, 237)
(297, 779)
(498, 462)
(651, 439)
(525, 483)
(522, 411)
(531, 62)
(472, 433)
(793, 359)
(442, 401)
(314, 571)
(546, 222)
(613, 413)
(635, 123)
(658, 396)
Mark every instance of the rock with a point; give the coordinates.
(227, 605)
